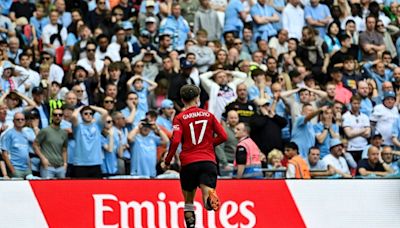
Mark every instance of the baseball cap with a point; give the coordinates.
(145, 33)
(150, 3)
(186, 64)
(388, 94)
(335, 142)
(265, 101)
(7, 65)
(127, 25)
(376, 134)
(150, 20)
(167, 103)
(37, 90)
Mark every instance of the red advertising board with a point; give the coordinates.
(159, 203)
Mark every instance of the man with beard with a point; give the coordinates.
(51, 147)
(244, 108)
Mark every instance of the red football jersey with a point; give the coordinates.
(199, 132)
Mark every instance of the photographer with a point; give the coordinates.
(144, 140)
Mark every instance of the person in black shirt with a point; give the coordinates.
(373, 165)
(267, 128)
(245, 108)
(22, 8)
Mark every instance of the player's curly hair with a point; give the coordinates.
(189, 92)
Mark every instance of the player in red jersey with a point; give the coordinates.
(199, 132)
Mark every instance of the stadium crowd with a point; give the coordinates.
(303, 88)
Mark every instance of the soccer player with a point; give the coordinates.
(196, 128)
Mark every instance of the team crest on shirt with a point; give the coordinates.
(176, 127)
(250, 108)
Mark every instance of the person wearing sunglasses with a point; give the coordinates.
(51, 147)
(93, 65)
(15, 150)
(111, 148)
(88, 153)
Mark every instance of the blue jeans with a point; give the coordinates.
(52, 172)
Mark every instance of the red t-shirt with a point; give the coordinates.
(199, 132)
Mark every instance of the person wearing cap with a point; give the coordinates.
(266, 124)
(374, 165)
(356, 126)
(336, 160)
(207, 19)
(167, 114)
(384, 117)
(42, 107)
(297, 166)
(376, 141)
(148, 8)
(177, 25)
(204, 55)
(178, 81)
(151, 25)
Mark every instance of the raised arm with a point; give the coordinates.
(152, 84)
(31, 103)
(75, 116)
(100, 110)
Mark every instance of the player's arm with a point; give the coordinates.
(220, 132)
(176, 139)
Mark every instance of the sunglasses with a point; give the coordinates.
(237, 43)
(90, 50)
(46, 58)
(108, 101)
(88, 113)
(57, 114)
(78, 91)
(139, 66)
(20, 120)
(118, 14)
(109, 121)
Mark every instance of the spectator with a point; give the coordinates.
(312, 53)
(318, 168)
(376, 71)
(56, 73)
(263, 18)
(292, 19)
(325, 131)
(248, 156)
(376, 141)
(266, 124)
(371, 41)
(177, 25)
(384, 116)
(204, 55)
(206, 18)
(121, 130)
(249, 45)
(21, 8)
(318, 16)
(111, 147)
(144, 139)
(297, 166)
(367, 104)
(88, 153)
(342, 93)
(54, 35)
(15, 149)
(245, 108)
(275, 166)
(303, 132)
(356, 127)
(387, 157)
(51, 147)
(13, 101)
(335, 159)
(7, 29)
(235, 15)
(374, 165)
(331, 38)
(226, 151)
(97, 16)
(279, 44)
(220, 90)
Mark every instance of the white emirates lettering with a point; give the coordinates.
(228, 210)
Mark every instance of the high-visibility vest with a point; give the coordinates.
(301, 167)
